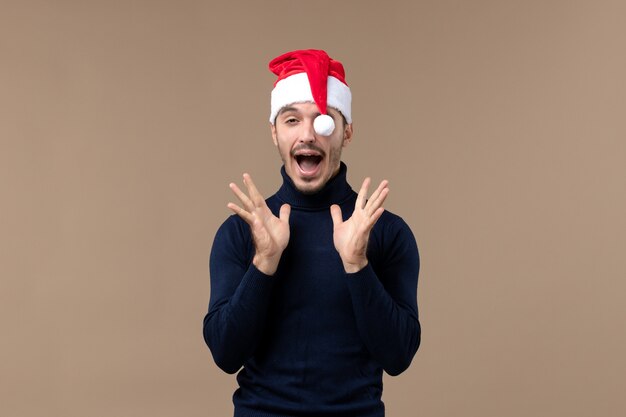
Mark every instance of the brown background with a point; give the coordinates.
(500, 125)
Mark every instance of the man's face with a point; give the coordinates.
(310, 159)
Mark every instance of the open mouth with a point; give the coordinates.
(308, 163)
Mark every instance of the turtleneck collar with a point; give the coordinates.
(336, 191)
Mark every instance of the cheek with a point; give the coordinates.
(279, 141)
(337, 144)
(284, 139)
(283, 150)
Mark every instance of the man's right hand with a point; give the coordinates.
(270, 234)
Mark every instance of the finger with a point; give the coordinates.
(360, 200)
(374, 217)
(376, 193)
(335, 213)
(285, 209)
(247, 203)
(373, 205)
(255, 195)
(247, 217)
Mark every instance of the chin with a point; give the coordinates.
(308, 182)
(309, 187)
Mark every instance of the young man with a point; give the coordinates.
(313, 291)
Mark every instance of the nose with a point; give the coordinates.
(307, 135)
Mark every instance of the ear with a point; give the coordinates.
(274, 138)
(347, 134)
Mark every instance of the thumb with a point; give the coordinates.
(335, 213)
(285, 210)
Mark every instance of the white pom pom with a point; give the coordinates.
(324, 125)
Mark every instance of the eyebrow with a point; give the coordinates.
(293, 109)
(286, 109)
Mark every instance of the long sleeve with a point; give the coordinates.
(384, 298)
(311, 338)
(239, 299)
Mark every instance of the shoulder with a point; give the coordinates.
(232, 235)
(392, 237)
(235, 232)
(390, 224)
(233, 225)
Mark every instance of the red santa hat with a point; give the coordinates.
(311, 76)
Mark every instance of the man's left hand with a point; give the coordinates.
(351, 237)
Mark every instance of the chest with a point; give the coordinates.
(310, 271)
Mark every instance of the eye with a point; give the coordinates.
(291, 120)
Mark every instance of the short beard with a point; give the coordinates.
(335, 163)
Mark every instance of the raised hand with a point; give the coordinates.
(351, 237)
(270, 234)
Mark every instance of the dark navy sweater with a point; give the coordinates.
(313, 340)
